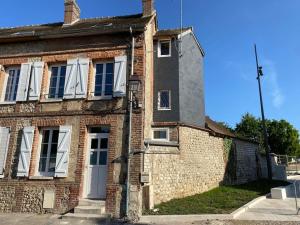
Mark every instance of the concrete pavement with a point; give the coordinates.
(275, 209)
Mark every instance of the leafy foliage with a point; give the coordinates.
(282, 136)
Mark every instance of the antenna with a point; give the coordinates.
(181, 26)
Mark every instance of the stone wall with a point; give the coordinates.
(198, 163)
(247, 161)
(196, 166)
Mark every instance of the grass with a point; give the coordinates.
(221, 200)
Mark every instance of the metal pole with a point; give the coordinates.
(129, 128)
(269, 165)
(128, 155)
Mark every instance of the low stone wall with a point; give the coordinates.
(247, 162)
(196, 166)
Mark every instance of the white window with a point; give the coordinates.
(104, 73)
(48, 153)
(57, 81)
(160, 134)
(164, 48)
(12, 84)
(164, 100)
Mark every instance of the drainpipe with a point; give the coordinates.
(129, 127)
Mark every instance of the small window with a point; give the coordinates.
(164, 48)
(12, 84)
(164, 100)
(104, 79)
(161, 134)
(48, 151)
(57, 82)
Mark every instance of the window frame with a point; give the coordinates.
(103, 96)
(166, 129)
(159, 100)
(38, 159)
(49, 81)
(7, 69)
(159, 48)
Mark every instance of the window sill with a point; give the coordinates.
(164, 56)
(162, 143)
(1, 176)
(40, 178)
(51, 100)
(162, 109)
(7, 103)
(95, 98)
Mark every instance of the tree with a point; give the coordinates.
(249, 127)
(282, 136)
(226, 126)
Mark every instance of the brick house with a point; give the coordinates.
(64, 118)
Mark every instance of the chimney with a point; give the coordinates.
(148, 7)
(72, 12)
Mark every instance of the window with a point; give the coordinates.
(164, 48)
(12, 84)
(57, 81)
(104, 79)
(164, 100)
(161, 134)
(48, 151)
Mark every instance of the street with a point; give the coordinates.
(26, 219)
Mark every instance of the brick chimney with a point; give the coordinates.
(72, 12)
(148, 7)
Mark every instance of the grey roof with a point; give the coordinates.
(83, 27)
(172, 32)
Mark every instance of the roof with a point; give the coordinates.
(217, 128)
(172, 32)
(223, 131)
(83, 27)
(177, 32)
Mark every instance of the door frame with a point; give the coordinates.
(87, 159)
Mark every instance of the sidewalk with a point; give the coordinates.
(274, 209)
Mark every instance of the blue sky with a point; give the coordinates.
(227, 30)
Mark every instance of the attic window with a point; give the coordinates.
(164, 48)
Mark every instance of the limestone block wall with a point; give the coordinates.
(247, 161)
(196, 166)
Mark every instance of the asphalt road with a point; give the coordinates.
(23, 219)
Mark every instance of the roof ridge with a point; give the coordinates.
(112, 17)
(81, 20)
(170, 29)
(31, 25)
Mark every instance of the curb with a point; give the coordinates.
(184, 218)
(244, 208)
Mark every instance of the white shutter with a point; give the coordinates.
(63, 149)
(120, 76)
(36, 81)
(25, 153)
(70, 81)
(4, 140)
(24, 82)
(82, 78)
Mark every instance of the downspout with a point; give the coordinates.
(129, 127)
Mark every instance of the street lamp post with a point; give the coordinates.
(266, 144)
(134, 85)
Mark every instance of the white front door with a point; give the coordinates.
(97, 166)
